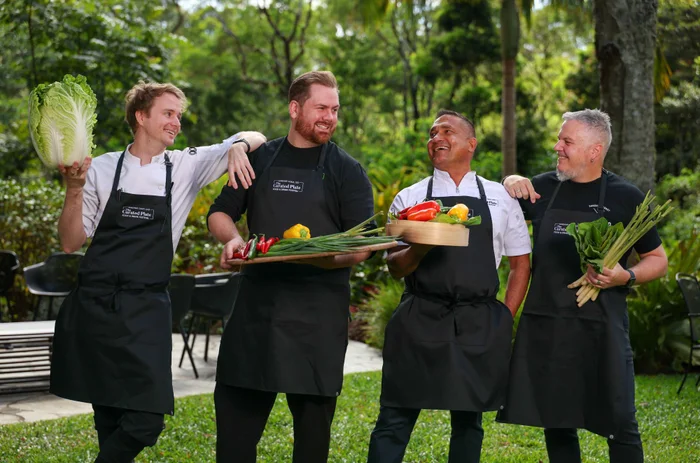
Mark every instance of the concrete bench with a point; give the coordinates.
(25, 356)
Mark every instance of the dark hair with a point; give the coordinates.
(299, 90)
(449, 112)
(141, 98)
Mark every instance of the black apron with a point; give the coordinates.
(289, 328)
(113, 343)
(571, 367)
(447, 345)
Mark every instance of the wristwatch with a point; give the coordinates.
(632, 280)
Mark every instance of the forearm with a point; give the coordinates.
(348, 260)
(405, 261)
(70, 224)
(254, 139)
(650, 268)
(518, 279)
(222, 227)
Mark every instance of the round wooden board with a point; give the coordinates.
(439, 234)
(262, 260)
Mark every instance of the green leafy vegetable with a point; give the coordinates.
(593, 241)
(444, 218)
(61, 119)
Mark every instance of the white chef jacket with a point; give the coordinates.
(193, 168)
(510, 235)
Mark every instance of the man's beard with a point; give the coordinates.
(306, 130)
(572, 173)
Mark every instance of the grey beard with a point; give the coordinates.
(563, 176)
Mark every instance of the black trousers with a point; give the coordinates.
(393, 431)
(241, 416)
(123, 434)
(626, 447)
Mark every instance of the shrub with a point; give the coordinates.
(379, 307)
(28, 220)
(656, 307)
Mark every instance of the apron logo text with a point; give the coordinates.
(291, 186)
(560, 228)
(142, 213)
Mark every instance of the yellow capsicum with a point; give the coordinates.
(297, 231)
(459, 211)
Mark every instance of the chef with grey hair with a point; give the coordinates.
(572, 367)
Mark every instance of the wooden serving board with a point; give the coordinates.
(440, 234)
(262, 260)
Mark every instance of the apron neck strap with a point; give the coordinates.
(322, 157)
(168, 180)
(600, 210)
(118, 173)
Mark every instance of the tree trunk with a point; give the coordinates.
(510, 44)
(508, 112)
(625, 39)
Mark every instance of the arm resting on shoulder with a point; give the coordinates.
(518, 279)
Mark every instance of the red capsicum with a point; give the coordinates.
(421, 212)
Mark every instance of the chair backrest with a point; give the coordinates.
(215, 300)
(57, 274)
(9, 264)
(180, 289)
(690, 288)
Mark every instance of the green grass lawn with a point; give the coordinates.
(670, 429)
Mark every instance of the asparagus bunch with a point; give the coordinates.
(644, 218)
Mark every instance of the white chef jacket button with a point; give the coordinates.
(611, 437)
(502, 407)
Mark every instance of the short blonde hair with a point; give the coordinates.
(141, 98)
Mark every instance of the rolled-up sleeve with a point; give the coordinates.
(91, 204)
(212, 161)
(516, 240)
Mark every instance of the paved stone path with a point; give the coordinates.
(37, 406)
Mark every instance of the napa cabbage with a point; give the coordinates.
(62, 116)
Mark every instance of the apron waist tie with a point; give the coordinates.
(113, 284)
(451, 303)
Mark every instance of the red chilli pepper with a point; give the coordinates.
(268, 244)
(260, 244)
(246, 250)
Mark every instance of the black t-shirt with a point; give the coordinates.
(621, 200)
(348, 193)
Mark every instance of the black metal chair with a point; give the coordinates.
(180, 289)
(213, 298)
(55, 277)
(690, 288)
(9, 264)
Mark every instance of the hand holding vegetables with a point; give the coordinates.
(75, 175)
(643, 220)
